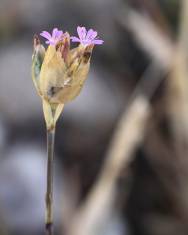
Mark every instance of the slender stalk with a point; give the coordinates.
(49, 189)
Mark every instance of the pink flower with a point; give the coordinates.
(87, 37)
(57, 35)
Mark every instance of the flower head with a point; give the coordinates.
(87, 37)
(59, 72)
(57, 35)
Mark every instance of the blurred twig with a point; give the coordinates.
(178, 86)
(153, 8)
(153, 40)
(178, 112)
(129, 133)
(171, 57)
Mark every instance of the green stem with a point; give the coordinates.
(49, 189)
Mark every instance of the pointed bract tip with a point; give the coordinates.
(36, 41)
(64, 46)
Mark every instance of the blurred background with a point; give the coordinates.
(121, 151)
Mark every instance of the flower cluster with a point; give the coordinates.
(59, 72)
(84, 37)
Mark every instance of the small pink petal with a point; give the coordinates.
(46, 35)
(75, 39)
(91, 34)
(97, 42)
(54, 33)
(59, 35)
(86, 42)
(81, 32)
